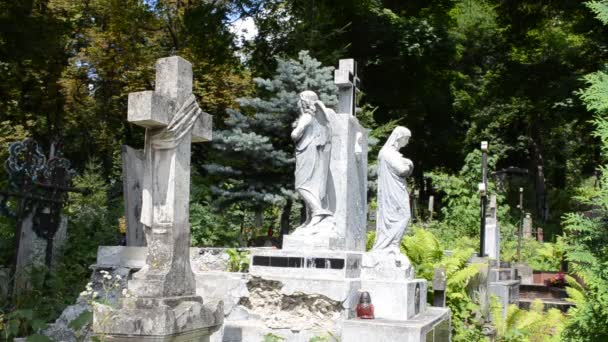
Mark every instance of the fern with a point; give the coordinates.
(600, 8)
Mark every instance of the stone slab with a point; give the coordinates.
(386, 266)
(309, 264)
(132, 177)
(310, 243)
(506, 292)
(347, 184)
(121, 256)
(397, 300)
(502, 274)
(525, 273)
(431, 326)
(158, 319)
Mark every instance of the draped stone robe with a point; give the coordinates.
(313, 151)
(394, 212)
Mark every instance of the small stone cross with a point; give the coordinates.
(172, 120)
(345, 77)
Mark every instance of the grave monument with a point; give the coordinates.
(163, 304)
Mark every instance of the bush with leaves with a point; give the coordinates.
(586, 233)
(459, 216)
(426, 253)
(534, 325)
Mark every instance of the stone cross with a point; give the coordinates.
(172, 120)
(348, 164)
(348, 85)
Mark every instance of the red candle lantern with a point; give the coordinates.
(365, 308)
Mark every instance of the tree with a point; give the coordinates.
(253, 158)
(586, 233)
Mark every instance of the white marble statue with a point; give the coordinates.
(394, 213)
(312, 137)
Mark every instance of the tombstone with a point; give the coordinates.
(347, 183)
(431, 207)
(163, 303)
(540, 235)
(492, 235)
(132, 176)
(439, 287)
(40, 185)
(348, 164)
(527, 226)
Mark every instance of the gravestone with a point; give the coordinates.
(527, 226)
(164, 304)
(41, 186)
(540, 235)
(132, 176)
(347, 183)
(492, 235)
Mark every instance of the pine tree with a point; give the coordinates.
(254, 156)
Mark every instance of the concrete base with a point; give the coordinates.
(431, 326)
(502, 274)
(165, 319)
(507, 292)
(397, 300)
(311, 243)
(305, 264)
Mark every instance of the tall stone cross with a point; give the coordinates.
(173, 121)
(345, 77)
(348, 165)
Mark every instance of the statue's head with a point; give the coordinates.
(399, 138)
(306, 101)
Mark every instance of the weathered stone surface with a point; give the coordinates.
(157, 317)
(492, 243)
(397, 300)
(32, 250)
(507, 292)
(525, 272)
(431, 326)
(527, 226)
(347, 186)
(164, 305)
(132, 178)
(380, 265)
(394, 211)
(121, 256)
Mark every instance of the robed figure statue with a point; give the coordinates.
(312, 137)
(394, 213)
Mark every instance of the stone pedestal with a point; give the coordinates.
(164, 319)
(397, 299)
(431, 326)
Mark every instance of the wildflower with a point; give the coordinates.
(95, 294)
(84, 293)
(118, 277)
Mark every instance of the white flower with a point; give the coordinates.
(103, 272)
(124, 292)
(95, 294)
(84, 293)
(118, 277)
(107, 276)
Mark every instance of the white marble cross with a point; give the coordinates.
(172, 120)
(345, 77)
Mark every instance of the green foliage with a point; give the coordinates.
(270, 337)
(426, 253)
(600, 8)
(545, 256)
(20, 323)
(238, 260)
(534, 325)
(461, 201)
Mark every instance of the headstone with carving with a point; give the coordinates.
(164, 304)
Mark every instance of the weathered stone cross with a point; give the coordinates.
(345, 77)
(172, 120)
